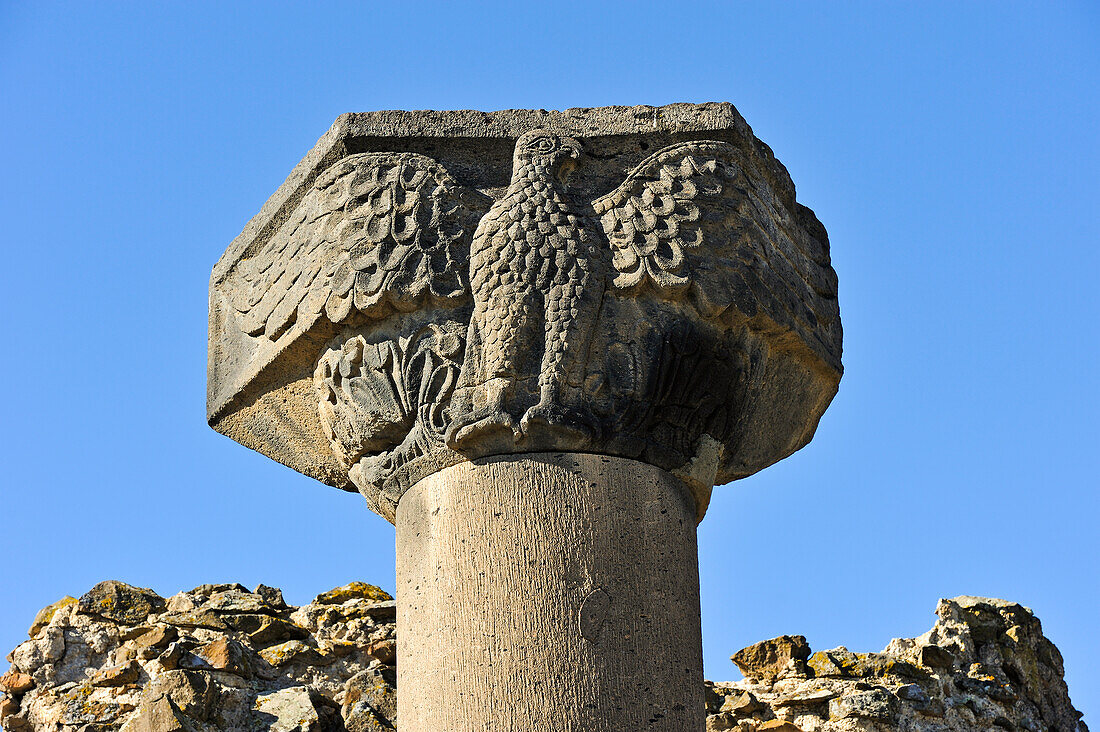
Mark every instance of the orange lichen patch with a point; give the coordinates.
(45, 615)
(352, 591)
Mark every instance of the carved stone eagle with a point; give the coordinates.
(641, 322)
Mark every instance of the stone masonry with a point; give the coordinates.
(221, 657)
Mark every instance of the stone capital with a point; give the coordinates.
(428, 288)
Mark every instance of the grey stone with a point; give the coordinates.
(872, 704)
(236, 601)
(120, 602)
(193, 693)
(162, 715)
(288, 710)
(514, 626)
(364, 330)
(370, 698)
(273, 596)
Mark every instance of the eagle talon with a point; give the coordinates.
(483, 426)
(577, 426)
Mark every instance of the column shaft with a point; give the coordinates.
(548, 591)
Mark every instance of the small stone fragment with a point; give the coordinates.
(817, 696)
(287, 710)
(193, 693)
(295, 651)
(352, 591)
(173, 656)
(381, 612)
(273, 596)
(778, 725)
(374, 689)
(181, 602)
(45, 615)
(207, 590)
(124, 673)
(162, 715)
(120, 602)
(912, 693)
(158, 637)
(766, 659)
(742, 704)
(841, 663)
(384, 650)
(15, 682)
(17, 722)
(362, 718)
(266, 629)
(936, 657)
(48, 647)
(225, 654)
(236, 601)
(197, 619)
(872, 704)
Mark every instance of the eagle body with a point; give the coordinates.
(537, 280)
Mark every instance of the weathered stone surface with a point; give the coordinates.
(1005, 676)
(124, 673)
(14, 682)
(352, 591)
(295, 652)
(42, 619)
(120, 602)
(236, 601)
(288, 710)
(370, 699)
(93, 672)
(993, 670)
(230, 655)
(778, 725)
(193, 693)
(505, 629)
(161, 715)
(767, 659)
(384, 650)
(429, 287)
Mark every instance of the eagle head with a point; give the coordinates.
(546, 151)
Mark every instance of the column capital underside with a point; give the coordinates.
(430, 288)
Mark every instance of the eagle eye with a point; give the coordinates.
(542, 145)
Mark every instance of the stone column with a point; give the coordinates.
(534, 341)
(528, 585)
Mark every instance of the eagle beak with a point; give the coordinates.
(573, 149)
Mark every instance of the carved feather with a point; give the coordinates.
(377, 233)
(689, 222)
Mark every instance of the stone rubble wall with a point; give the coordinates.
(220, 657)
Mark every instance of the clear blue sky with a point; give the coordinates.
(951, 149)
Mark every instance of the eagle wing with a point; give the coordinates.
(377, 233)
(694, 222)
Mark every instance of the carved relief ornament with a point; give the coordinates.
(687, 317)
